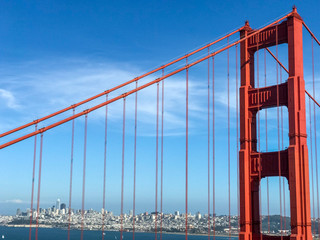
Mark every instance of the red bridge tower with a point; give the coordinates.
(291, 163)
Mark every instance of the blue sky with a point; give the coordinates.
(56, 53)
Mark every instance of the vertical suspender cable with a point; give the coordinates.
(187, 142)
(229, 206)
(39, 184)
(208, 146)
(278, 118)
(237, 138)
(266, 120)
(71, 171)
(135, 163)
(104, 167)
(84, 173)
(33, 174)
(122, 170)
(157, 156)
(213, 159)
(311, 160)
(282, 147)
(315, 137)
(162, 114)
(259, 145)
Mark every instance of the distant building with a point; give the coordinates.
(18, 212)
(198, 216)
(131, 213)
(58, 203)
(177, 213)
(63, 206)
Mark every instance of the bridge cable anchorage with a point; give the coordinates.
(187, 143)
(135, 163)
(138, 89)
(213, 158)
(237, 138)
(119, 86)
(278, 120)
(315, 136)
(104, 168)
(84, 173)
(122, 171)
(157, 160)
(311, 161)
(71, 173)
(162, 115)
(208, 128)
(32, 182)
(39, 184)
(259, 142)
(266, 122)
(229, 192)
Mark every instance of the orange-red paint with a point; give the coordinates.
(293, 162)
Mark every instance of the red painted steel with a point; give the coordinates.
(311, 160)
(71, 172)
(213, 159)
(157, 163)
(135, 162)
(187, 144)
(32, 183)
(315, 136)
(237, 135)
(162, 116)
(229, 183)
(275, 58)
(104, 169)
(266, 121)
(117, 87)
(39, 185)
(84, 174)
(122, 170)
(139, 88)
(208, 141)
(289, 31)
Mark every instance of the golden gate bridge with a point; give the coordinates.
(252, 164)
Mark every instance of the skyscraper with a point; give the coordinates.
(63, 206)
(58, 203)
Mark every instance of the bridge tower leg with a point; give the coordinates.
(291, 163)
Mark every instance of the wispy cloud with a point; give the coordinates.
(15, 201)
(34, 89)
(9, 99)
